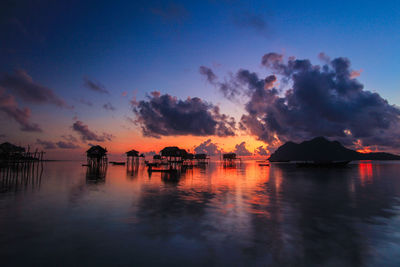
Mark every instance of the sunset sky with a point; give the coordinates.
(205, 75)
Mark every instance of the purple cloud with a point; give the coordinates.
(9, 106)
(88, 135)
(163, 115)
(109, 106)
(319, 101)
(67, 145)
(95, 86)
(208, 147)
(261, 151)
(46, 144)
(22, 85)
(241, 150)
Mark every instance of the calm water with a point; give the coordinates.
(249, 215)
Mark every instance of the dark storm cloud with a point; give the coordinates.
(88, 135)
(243, 83)
(95, 86)
(22, 85)
(9, 107)
(109, 106)
(163, 115)
(241, 149)
(320, 100)
(208, 147)
(249, 20)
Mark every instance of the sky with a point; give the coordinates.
(149, 74)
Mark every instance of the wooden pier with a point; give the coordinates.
(19, 168)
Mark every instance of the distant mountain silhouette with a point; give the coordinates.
(321, 149)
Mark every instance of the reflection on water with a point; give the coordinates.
(216, 215)
(21, 177)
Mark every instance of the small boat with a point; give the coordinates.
(322, 164)
(263, 164)
(85, 165)
(117, 162)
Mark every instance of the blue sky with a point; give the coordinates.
(144, 46)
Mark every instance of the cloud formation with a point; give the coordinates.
(319, 100)
(88, 135)
(239, 85)
(164, 115)
(20, 84)
(208, 73)
(54, 145)
(46, 144)
(261, 151)
(241, 150)
(95, 86)
(208, 147)
(108, 106)
(250, 20)
(9, 107)
(67, 145)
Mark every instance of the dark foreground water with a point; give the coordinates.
(249, 215)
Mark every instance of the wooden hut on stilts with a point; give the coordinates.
(96, 162)
(132, 160)
(174, 156)
(19, 167)
(96, 156)
(230, 159)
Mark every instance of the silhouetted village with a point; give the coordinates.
(172, 161)
(20, 165)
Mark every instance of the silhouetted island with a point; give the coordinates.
(321, 149)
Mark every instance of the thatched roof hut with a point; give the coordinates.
(173, 151)
(229, 156)
(96, 152)
(8, 148)
(132, 153)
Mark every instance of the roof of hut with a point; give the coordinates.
(229, 156)
(10, 148)
(156, 157)
(133, 153)
(96, 150)
(173, 151)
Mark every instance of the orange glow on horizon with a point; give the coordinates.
(366, 149)
(363, 149)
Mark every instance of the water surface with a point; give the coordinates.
(244, 215)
